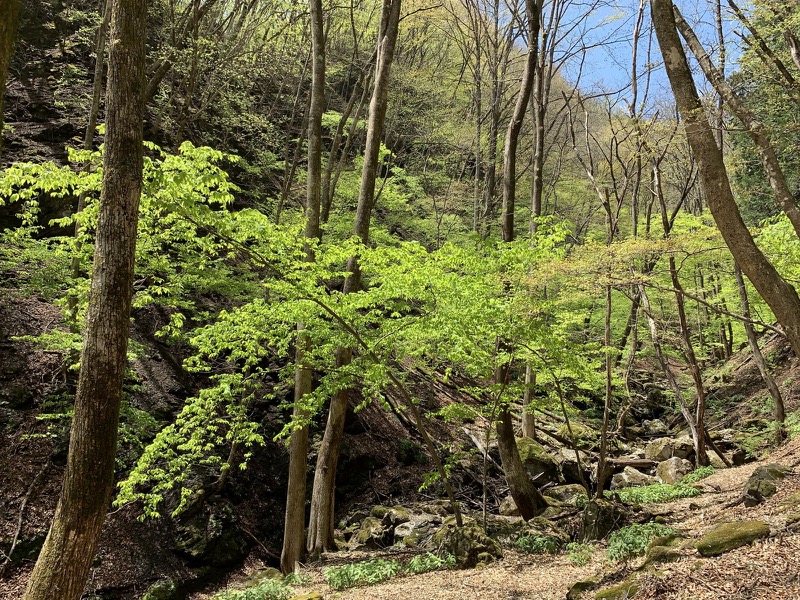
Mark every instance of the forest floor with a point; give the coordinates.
(768, 569)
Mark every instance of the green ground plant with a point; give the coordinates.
(655, 493)
(537, 544)
(579, 554)
(633, 540)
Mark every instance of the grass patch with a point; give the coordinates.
(655, 493)
(370, 572)
(698, 474)
(537, 544)
(633, 540)
(268, 589)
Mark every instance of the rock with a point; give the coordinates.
(572, 494)
(412, 531)
(683, 447)
(541, 466)
(762, 483)
(655, 427)
(728, 536)
(621, 591)
(567, 459)
(391, 516)
(410, 453)
(371, 534)
(508, 508)
(578, 588)
(716, 460)
(631, 477)
(211, 537)
(664, 549)
(658, 450)
(166, 589)
(585, 437)
(470, 545)
(673, 469)
(599, 518)
(255, 578)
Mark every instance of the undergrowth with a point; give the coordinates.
(370, 572)
(267, 589)
(633, 540)
(537, 544)
(655, 493)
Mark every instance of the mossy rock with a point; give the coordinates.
(166, 589)
(371, 534)
(572, 494)
(621, 591)
(585, 436)
(793, 518)
(470, 545)
(660, 554)
(601, 517)
(257, 577)
(309, 596)
(538, 462)
(211, 537)
(763, 483)
(394, 515)
(578, 588)
(729, 536)
(791, 501)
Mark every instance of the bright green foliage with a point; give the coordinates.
(537, 544)
(423, 563)
(633, 540)
(368, 572)
(656, 493)
(266, 589)
(698, 474)
(579, 554)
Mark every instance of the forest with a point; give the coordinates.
(399, 299)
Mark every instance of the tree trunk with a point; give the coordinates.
(515, 124)
(320, 530)
(9, 17)
(67, 553)
(778, 294)
(758, 358)
(756, 131)
(294, 531)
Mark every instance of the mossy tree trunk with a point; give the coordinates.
(66, 556)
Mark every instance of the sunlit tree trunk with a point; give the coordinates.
(778, 294)
(67, 553)
(294, 521)
(321, 523)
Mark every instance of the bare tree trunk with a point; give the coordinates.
(778, 294)
(67, 553)
(320, 530)
(294, 530)
(756, 131)
(758, 358)
(9, 17)
(88, 141)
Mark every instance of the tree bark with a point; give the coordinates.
(67, 553)
(778, 294)
(294, 521)
(9, 18)
(756, 131)
(321, 521)
(758, 358)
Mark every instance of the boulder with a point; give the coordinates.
(211, 537)
(729, 536)
(716, 460)
(683, 447)
(762, 483)
(371, 534)
(469, 545)
(412, 532)
(568, 462)
(658, 450)
(508, 508)
(620, 591)
(391, 516)
(538, 462)
(631, 477)
(599, 518)
(673, 469)
(572, 494)
(655, 427)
